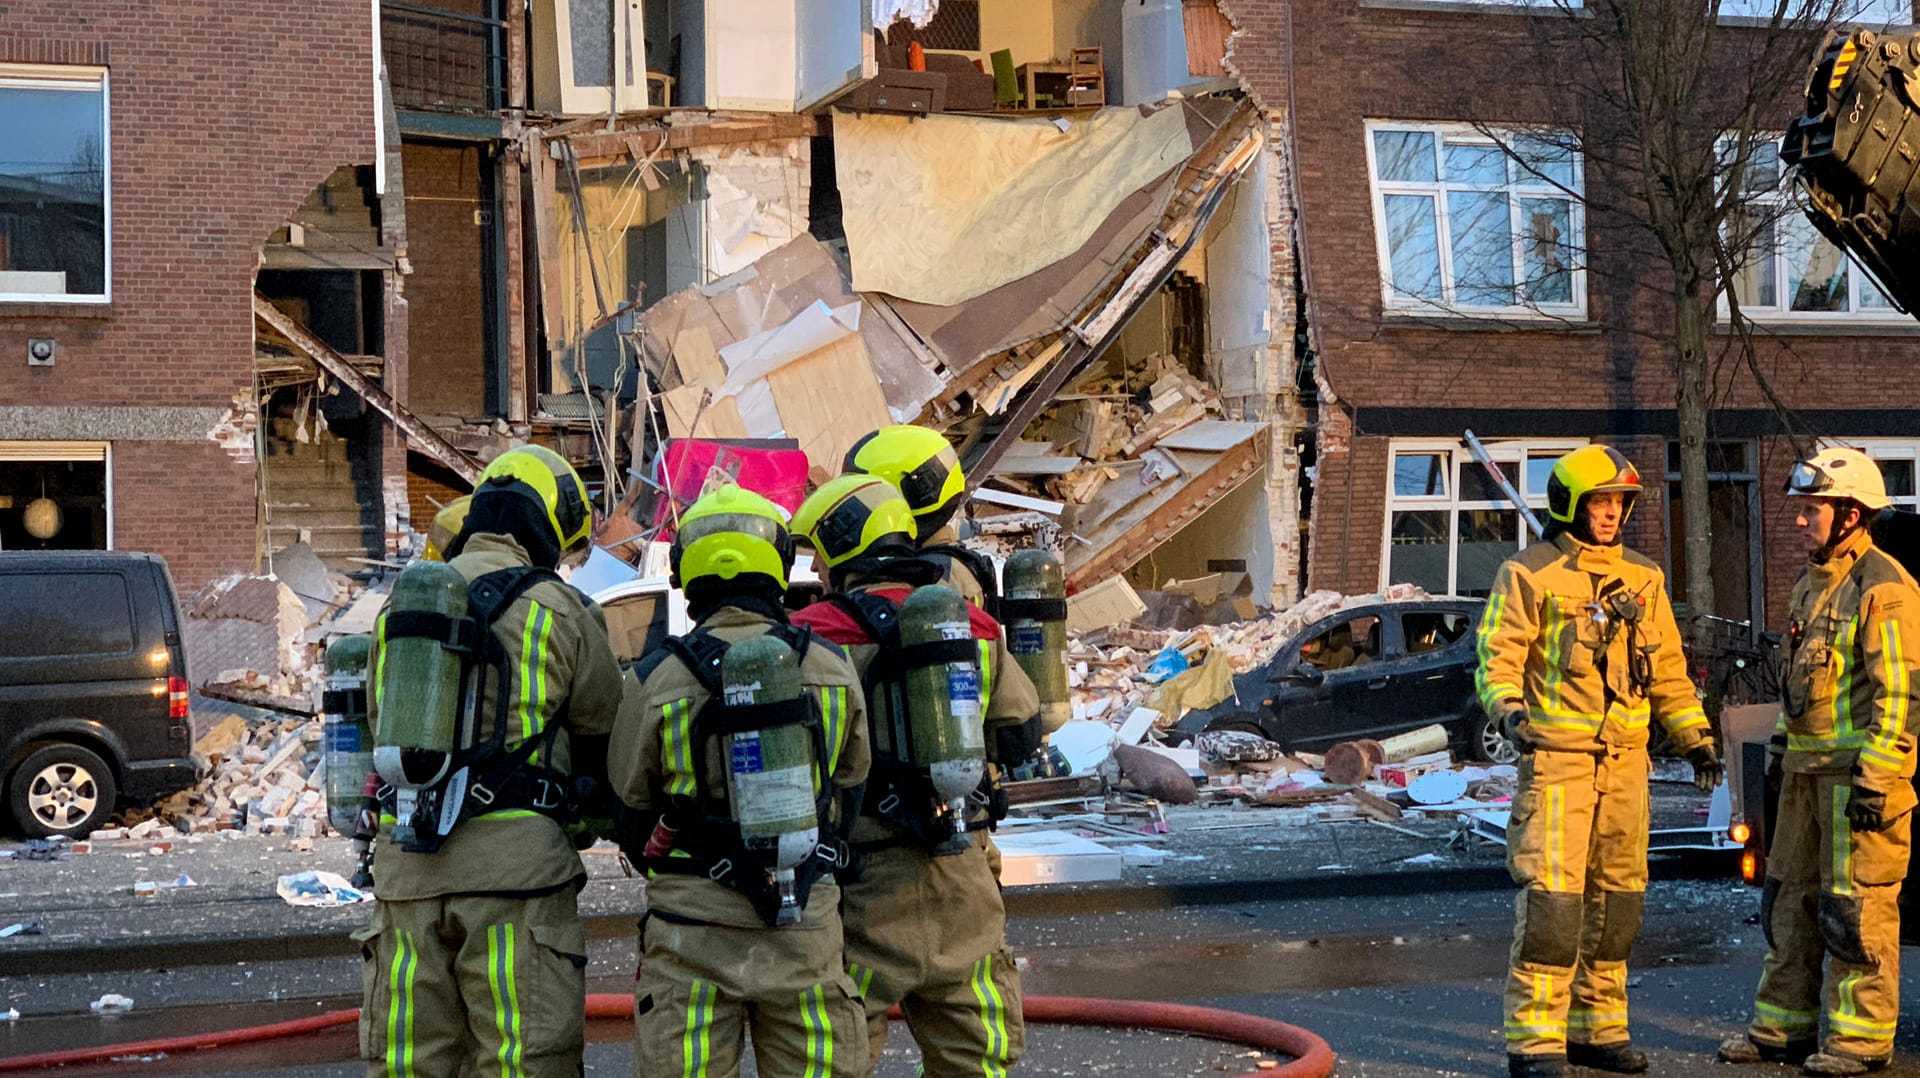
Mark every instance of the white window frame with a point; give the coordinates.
(1400, 302)
(1906, 449)
(1513, 451)
(1784, 204)
(1760, 12)
(77, 77)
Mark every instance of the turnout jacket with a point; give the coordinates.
(1849, 658)
(1584, 636)
(653, 755)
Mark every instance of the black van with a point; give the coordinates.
(93, 687)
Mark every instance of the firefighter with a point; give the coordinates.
(446, 527)
(922, 466)
(739, 798)
(475, 953)
(1579, 651)
(1844, 757)
(925, 924)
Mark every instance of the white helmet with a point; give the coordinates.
(1840, 472)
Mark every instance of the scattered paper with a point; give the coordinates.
(312, 888)
(110, 1004)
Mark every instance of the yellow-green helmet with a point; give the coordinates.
(920, 464)
(730, 533)
(851, 516)
(548, 475)
(1590, 469)
(446, 527)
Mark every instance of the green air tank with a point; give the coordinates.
(348, 739)
(1036, 616)
(944, 727)
(771, 771)
(417, 703)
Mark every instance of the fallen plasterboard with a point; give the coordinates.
(1085, 744)
(686, 418)
(814, 328)
(695, 356)
(1018, 501)
(1133, 729)
(1028, 858)
(300, 569)
(1110, 602)
(1188, 758)
(1210, 436)
(828, 400)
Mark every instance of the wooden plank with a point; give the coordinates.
(1210, 436)
(1125, 538)
(828, 399)
(422, 437)
(1011, 465)
(1018, 501)
(681, 409)
(697, 359)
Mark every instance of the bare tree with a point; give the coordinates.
(1673, 109)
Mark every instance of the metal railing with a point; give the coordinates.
(440, 59)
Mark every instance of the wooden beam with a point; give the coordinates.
(602, 148)
(1196, 495)
(513, 231)
(417, 433)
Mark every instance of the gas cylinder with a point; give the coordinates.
(1036, 617)
(945, 734)
(348, 739)
(771, 771)
(417, 702)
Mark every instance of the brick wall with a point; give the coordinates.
(446, 318)
(1373, 60)
(223, 116)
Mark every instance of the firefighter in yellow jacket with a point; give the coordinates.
(738, 760)
(475, 955)
(1578, 653)
(926, 927)
(1842, 833)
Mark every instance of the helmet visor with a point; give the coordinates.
(1808, 480)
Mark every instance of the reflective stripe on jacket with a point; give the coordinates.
(1849, 659)
(1549, 639)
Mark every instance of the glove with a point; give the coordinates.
(1708, 771)
(1776, 760)
(1513, 722)
(1866, 807)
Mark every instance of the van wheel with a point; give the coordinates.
(61, 790)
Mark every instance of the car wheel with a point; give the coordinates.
(1238, 724)
(61, 790)
(1490, 744)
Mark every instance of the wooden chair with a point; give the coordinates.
(1086, 77)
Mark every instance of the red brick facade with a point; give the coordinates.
(223, 116)
(1338, 63)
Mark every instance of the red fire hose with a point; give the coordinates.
(1312, 1057)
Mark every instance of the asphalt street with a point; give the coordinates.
(1399, 984)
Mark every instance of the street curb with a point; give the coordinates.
(1062, 900)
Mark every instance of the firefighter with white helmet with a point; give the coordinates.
(1844, 757)
(739, 761)
(1579, 653)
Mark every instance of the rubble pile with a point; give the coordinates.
(271, 782)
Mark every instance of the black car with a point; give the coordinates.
(1367, 671)
(93, 687)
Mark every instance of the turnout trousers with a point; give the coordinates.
(929, 933)
(1577, 846)
(493, 983)
(702, 988)
(1832, 898)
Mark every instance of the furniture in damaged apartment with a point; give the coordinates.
(1078, 82)
(946, 82)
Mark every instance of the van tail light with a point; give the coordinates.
(1740, 833)
(177, 698)
(1749, 867)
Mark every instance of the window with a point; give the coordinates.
(1432, 630)
(1875, 14)
(1467, 224)
(55, 244)
(1790, 272)
(1899, 466)
(65, 614)
(1448, 525)
(1350, 643)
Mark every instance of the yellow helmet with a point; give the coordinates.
(1840, 472)
(1591, 469)
(854, 515)
(446, 527)
(728, 533)
(559, 488)
(920, 464)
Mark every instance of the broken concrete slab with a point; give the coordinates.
(300, 569)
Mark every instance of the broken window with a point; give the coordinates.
(54, 236)
(1477, 222)
(1350, 643)
(1432, 630)
(1448, 525)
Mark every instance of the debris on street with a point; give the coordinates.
(111, 1004)
(320, 889)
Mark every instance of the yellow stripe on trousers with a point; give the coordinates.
(696, 1045)
(400, 1005)
(1842, 840)
(993, 1016)
(819, 1026)
(506, 998)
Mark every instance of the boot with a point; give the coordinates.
(1620, 1057)
(1743, 1049)
(1536, 1066)
(1840, 1063)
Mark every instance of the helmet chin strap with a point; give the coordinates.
(1836, 534)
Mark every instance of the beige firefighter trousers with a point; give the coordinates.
(1832, 892)
(1577, 845)
(929, 933)
(495, 983)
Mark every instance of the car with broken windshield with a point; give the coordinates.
(1367, 671)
